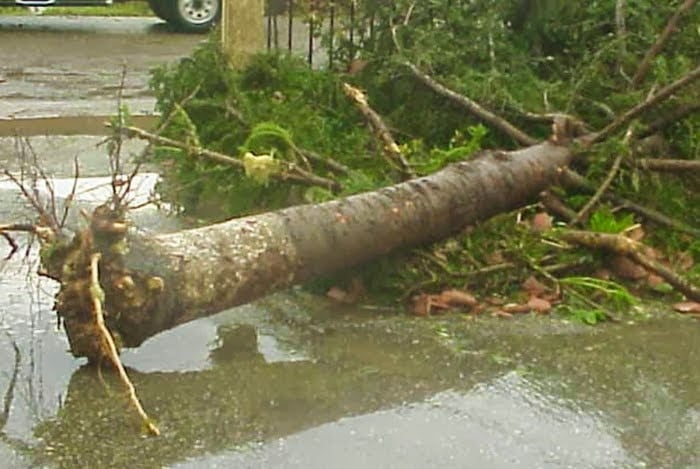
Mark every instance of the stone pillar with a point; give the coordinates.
(242, 29)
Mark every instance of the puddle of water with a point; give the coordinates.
(68, 125)
(493, 425)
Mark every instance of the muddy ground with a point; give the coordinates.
(292, 380)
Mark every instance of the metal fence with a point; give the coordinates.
(321, 30)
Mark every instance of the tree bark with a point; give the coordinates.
(205, 270)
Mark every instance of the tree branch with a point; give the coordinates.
(572, 178)
(676, 114)
(645, 106)
(670, 165)
(473, 107)
(623, 245)
(654, 50)
(605, 185)
(294, 173)
(391, 150)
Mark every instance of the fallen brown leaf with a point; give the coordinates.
(539, 305)
(654, 280)
(540, 222)
(515, 308)
(495, 300)
(458, 298)
(424, 305)
(501, 314)
(421, 305)
(687, 307)
(533, 287)
(624, 268)
(337, 294)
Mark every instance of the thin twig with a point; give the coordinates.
(118, 138)
(111, 348)
(33, 201)
(654, 50)
(572, 178)
(671, 165)
(605, 185)
(13, 245)
(69, 199)
(645, 106)
(391, 150)
(675, 115)
(293, 173)
(473, 107)
(332, 164)
(556, 206)
(621, 28)
(9, 394)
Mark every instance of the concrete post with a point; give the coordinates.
(242, 29)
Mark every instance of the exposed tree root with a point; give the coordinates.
(109, 349)
(623, 245)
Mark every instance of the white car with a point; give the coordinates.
(185, 15)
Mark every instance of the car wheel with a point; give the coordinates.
(194, 16)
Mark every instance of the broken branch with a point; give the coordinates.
(573, 179)
(605, 185)
(389, 147)
(473, 107)
(623, 245)
(658, 164)
(646, 105)
(294, 173)
(654, 50)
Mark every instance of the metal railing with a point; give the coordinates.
(321, 30)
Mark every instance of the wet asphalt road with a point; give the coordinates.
(73, 66)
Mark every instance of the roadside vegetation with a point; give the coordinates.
(588, 63)
(128, 8)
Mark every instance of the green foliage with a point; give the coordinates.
(603, 220)
(591, 300)
(513, 57)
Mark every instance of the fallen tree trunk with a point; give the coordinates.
(170, 279)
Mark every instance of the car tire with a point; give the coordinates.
(192, 16)
(160, 9)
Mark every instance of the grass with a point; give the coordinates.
(129, 8)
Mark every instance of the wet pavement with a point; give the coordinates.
(73, 66)
(294, 381)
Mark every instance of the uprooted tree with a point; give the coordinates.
(270, 131)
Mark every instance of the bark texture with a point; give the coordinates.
(209, 269)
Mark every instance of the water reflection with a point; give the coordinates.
(507, 422)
